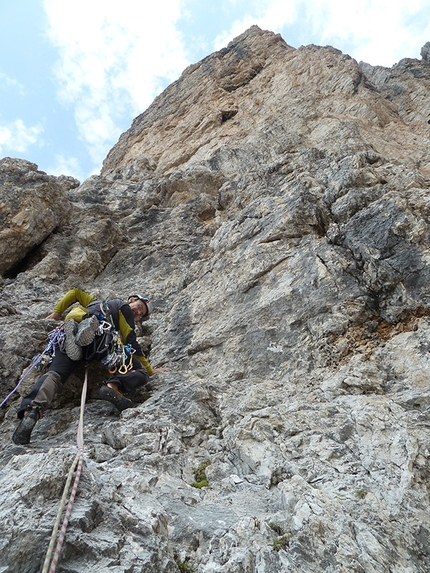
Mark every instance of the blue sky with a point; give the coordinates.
(74, 75)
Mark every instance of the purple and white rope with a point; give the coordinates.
(51, 344)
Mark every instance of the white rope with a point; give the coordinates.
(52, 554)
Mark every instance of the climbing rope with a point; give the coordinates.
(54, 338)
(52, 554)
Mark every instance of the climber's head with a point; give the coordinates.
(140, 305)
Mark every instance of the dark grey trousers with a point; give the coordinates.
(46, 388)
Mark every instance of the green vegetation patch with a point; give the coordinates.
(283, 539)
(281, 542)
(200, 476)
(185, 566)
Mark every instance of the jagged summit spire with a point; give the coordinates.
(256, 86)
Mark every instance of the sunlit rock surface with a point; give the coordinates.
(275, 204)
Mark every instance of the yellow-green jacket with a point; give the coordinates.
(121, 313)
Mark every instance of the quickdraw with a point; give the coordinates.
(125, 353)
(42, 360)
(120, 357)
(56, 339)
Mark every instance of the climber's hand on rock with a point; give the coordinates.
(54, 316)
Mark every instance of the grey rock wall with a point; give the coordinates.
(32, 205)
(275, 204)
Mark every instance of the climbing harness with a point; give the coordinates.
(52, 554)
(41, 361)
(120, 356)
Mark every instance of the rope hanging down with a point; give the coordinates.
(50, 565)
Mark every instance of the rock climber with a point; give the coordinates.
(93, 330)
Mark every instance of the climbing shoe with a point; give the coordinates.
(23, 431)
(86, 331)
(73, 350)
(115, 398)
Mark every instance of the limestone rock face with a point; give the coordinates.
(256, 90)
(32, 205)
(274, 203)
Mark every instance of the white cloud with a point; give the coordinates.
(66, 166)
(379, 32)
(267, 14)
(114, 59)
(17, 137)
(7, 83)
